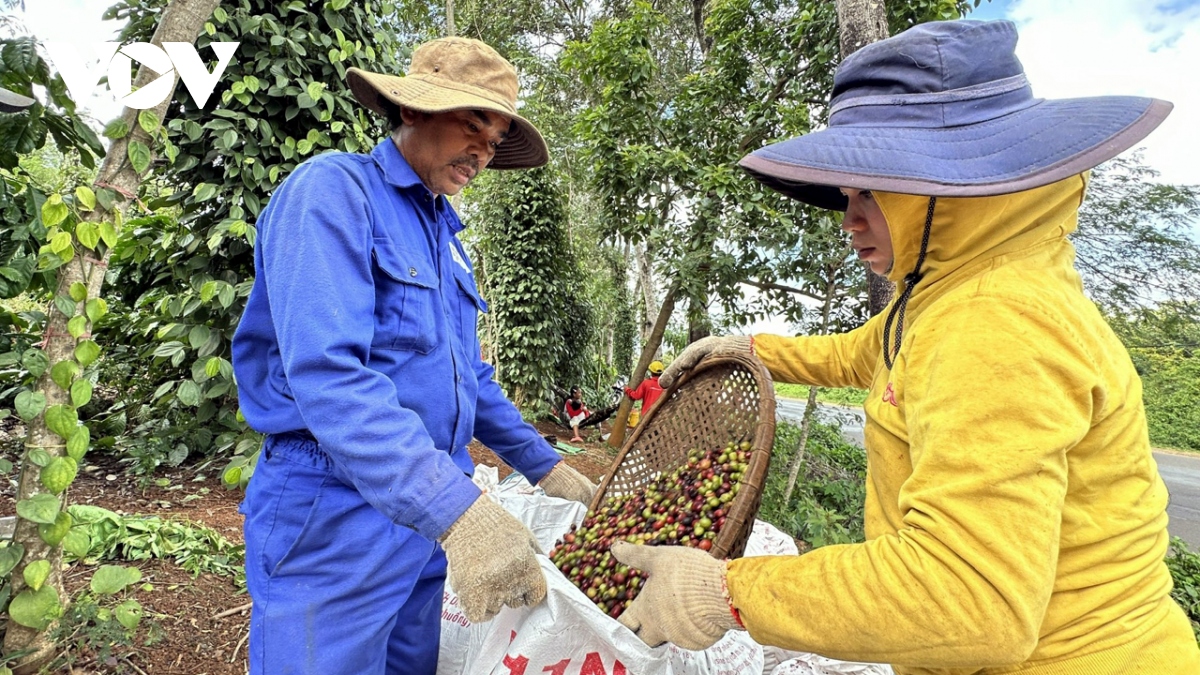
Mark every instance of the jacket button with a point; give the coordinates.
(412, 271)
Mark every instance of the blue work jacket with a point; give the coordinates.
(361, 329)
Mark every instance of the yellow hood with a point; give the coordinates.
(970, 231)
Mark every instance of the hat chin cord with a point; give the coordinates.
(910, 280)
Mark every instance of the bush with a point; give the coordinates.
(846, 396)
(1171, 391)
(1184, 564)
(827, 504)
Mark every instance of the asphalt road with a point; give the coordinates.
(1181, 473)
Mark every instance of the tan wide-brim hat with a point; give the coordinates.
(457, 73)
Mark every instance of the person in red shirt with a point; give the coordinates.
(576, 412)
(649, 390)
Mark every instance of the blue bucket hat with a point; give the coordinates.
(944, 110)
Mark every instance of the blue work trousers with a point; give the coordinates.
(337, 587)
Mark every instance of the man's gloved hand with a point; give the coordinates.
(733, 344)
(567, 483)
(490, 556)
(682, 600)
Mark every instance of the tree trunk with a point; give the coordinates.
(646, 286)
(699, 325)
(861, 22)
(617, 437)
(451, 30)
(811, 407)
(181, 21)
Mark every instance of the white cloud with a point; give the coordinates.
(1074, 48)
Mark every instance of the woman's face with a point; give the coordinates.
(868, 230)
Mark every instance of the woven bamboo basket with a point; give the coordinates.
(723, 399)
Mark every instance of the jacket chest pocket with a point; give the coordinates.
(470, 306)
(406, 299)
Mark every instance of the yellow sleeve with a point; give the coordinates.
(841, 360)
(994, 397)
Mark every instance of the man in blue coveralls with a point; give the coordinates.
(358, 357)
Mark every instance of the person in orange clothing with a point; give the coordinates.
(649, 390)
(576, 412)
(1015, 518)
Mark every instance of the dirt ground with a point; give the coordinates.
(203, 619)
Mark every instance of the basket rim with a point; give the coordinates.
(764, 434)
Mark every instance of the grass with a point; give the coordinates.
(847, 396)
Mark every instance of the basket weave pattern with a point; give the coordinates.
(722, 399)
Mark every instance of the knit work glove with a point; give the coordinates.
(567, 483)
(682, 601)
(490, 556)
(733, 344)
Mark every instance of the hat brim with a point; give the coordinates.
(13, 102)
(1044, 143)
(524, 148)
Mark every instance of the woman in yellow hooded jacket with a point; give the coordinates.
(1015, 516)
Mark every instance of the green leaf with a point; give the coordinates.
(61, 243)
(212, 367)
(65, 305)
(148, 121)
(108, 234)
(36, 362)
(9, 557)
(63, 373)
(116, 129)
(77, 326)
(232, 476)
(315, 89)
(30, 404)
(77, 542)
(96, 309)
(78, 292)
(40, 508)
(87, 234)
(58, 475)
(77, 445)
(208, 291)
(188, 393)
(62, 420)
(204, 192)
(54, 534)
(87, 352)
(225, 295)
(111, 579)
(139, 156)
(35, 609)
(39, 457)
(54, 211)
(81, 394)
(36, 573)
(85, 197)
(129, 614)
(198, 336)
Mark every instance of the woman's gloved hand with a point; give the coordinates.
(491, 561)
(682, 600)
(567, 483)
(733, 344)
